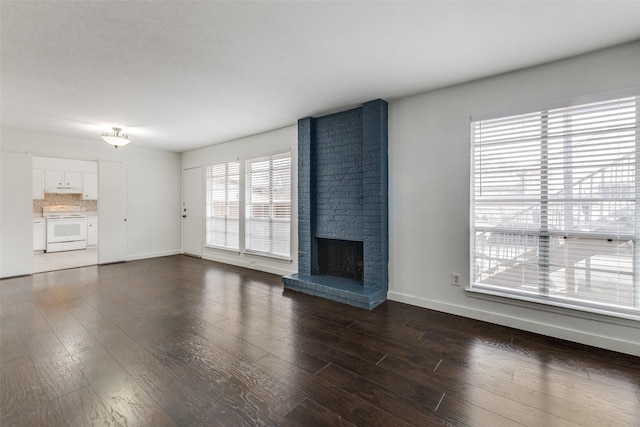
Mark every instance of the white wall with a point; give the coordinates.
(16, 227)
(429, 152)
(253, 146)
(153, 185)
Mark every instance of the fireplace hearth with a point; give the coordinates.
(343, 206)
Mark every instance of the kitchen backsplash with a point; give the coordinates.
(64, 199)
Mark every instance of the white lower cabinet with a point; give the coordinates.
(39, 234)
(92, 231)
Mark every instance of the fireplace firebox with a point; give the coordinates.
(340, 258)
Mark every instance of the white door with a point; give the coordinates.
(192, 211)
(112, 212)
(16, 215)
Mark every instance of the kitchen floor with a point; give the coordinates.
(63, 260)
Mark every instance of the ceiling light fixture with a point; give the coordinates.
(116, 139)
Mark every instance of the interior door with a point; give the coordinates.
(112, 212)
(16, 215)
(192, 211)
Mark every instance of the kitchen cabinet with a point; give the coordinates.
(92, 230)
(38, 184)
(39, 234)
(59, 181)
(89, 186)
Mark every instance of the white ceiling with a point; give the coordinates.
(181, 75)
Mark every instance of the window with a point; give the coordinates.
(223, 205)
(268, 206)
(554, 197)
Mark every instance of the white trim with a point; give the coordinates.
(557, 307)
(534, 130)
(223, 249)
(270, 221)
(268, 255)
(552, 330)
(246, 263)
(559, 103)
(154, 254)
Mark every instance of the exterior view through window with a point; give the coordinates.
(554, 215)
(223, 205)
(268, 205)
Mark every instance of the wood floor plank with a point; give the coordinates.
(122, 396)
(160, 384)
(82, 407)
(385, 399)
(207, 404)
(12, 344)
(556, 399)
(23, 401)
(426, 393)
(76, 339)
(336, 400)
(59, 375)
(201, 360)
(515, 412)
(461, 413)
(346, 342)
(309, 413)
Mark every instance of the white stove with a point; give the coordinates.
(66, 228)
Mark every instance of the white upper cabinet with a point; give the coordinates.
(53, 179)
(58, 181)
(65, 176)
(38, 184)
(90, 186)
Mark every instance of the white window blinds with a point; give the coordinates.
(268, 205)
(554, 198)
(223, 204)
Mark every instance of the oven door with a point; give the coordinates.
(64, 234)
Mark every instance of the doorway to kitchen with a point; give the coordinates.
(65, 213)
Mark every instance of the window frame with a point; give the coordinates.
(542, 300)
(268, 207)
(227, 218)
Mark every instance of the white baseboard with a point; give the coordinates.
(135, 257)
(582, 337)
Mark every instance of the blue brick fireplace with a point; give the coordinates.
(343, 200)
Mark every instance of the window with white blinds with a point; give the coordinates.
(223, 205)
(554, 214)
(268, 205)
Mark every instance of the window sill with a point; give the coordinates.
(267, 255)
(223, 249)
(556, 307)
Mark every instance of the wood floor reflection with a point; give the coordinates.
(187, 342)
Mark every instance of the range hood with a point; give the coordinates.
(63, 190)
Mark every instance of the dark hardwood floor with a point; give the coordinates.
(182, 341)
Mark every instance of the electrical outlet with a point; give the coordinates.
(455, 279)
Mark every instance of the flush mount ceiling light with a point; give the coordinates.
(116, 139)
